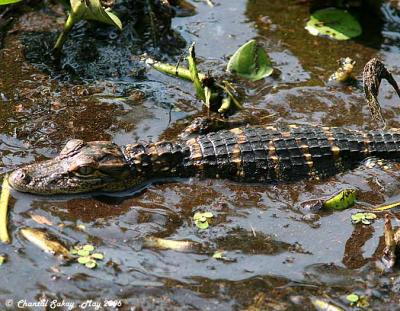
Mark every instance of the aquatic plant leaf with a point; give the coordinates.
(91, 264)
(370, 216)
(93, 10)
(2, 259)
(3, 2)
(364, 218)
(88, 247)
(97, 256)
(202, 224)
(250, 62)
(342, 200)
(4, 198)
(84, 260)
(334, 23)
(202, 216)
(194, 74)
(83, 253)
(353, 298)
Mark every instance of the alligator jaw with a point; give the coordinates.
(35, 178)
(80, 167)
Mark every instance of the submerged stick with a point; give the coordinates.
(374, 72)
(4, 198)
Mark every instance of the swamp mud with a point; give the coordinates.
(276, 256)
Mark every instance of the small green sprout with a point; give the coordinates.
(358, 301)
(201, 219)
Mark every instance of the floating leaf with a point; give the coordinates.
(91, 264)
(202, 216)
(97, 256)
(353, 298)
(83, 253)
(84, 260)
(251, 62)
(73, 251)
(364, 218)
(344, 199)
(202, 224)
(88, 247)
(370, 216)
(3, 2)
(2, 259)
(334, 23)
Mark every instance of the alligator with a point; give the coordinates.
(246, 154)
(249, 154)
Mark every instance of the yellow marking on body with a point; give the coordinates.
(335, 151)
(286, 134)
(293, 126)
(307, 156)
(236, 131)
(274, 158)
(236, 155)
(366, 142)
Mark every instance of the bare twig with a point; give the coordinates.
(374, 72)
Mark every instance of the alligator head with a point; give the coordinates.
(80, 167)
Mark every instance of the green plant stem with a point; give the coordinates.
(63, 35)
(180, 72)
(195, 74)
(4, 198)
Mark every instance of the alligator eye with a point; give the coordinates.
(85, 170)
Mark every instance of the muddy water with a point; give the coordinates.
(280, 257)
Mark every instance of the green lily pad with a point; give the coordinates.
(88, 247)
(334, 23)
(83, 253)
(365, 218)
(202, 216)
(84, 260)
(250, 62)
(97, 256)
(2, 259)
(202, 224)
(73, 251)
(3, 2)
(91, 264)
(353, 298)
(370, 216)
